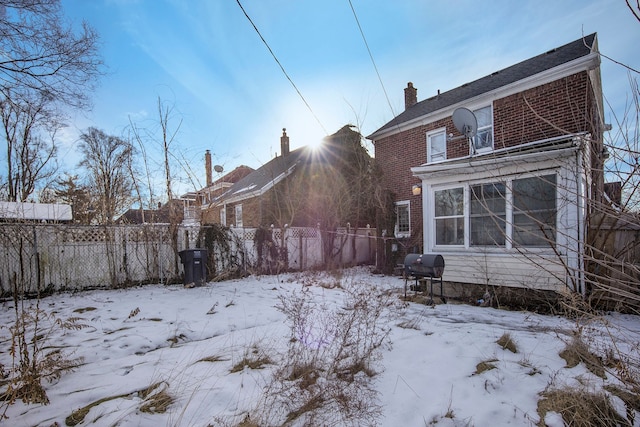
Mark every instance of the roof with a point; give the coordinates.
(528, 68)
(144, 216)
(265, 176)
(278, 168)
(235, 175)
(162, 215)
(35, 211)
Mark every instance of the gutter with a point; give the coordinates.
(584, 63)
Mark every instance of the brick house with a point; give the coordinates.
(196, 204)
(244, 203)
(508, 206)
(288, 190)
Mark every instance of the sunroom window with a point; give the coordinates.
(534, 211)
(449, 216)
(516, 212)
(487, 213)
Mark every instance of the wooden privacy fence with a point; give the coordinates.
(615, 262)
(49, 258)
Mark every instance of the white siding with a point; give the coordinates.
(516, 270)
(540, 268)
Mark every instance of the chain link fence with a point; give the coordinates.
(45, 258)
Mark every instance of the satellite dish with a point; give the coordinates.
(218, 168)
(465, 121)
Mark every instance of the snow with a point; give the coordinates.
(188, 340)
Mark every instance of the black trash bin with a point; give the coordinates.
(195, 266)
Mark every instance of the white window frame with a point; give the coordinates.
(455, 217)
(542, 241)
(405, 233)
(238, 212)
(497, 220)
(442, 156)
(510, 213)
(223, 215)
(484, 128)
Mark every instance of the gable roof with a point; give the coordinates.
(235, 175)
(525, 69)
(271, 173)
(265, 177)
(162, 215)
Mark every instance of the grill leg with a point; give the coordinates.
(406, 279)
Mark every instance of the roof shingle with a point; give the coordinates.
(527, 68)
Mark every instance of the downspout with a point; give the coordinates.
(580, 217)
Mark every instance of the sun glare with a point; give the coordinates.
(315, 144)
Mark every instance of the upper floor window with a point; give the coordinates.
(238, 211)
(483, 141)
(403, 219)
(437, 145)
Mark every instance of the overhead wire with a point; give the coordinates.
(282, 67)
(371, 56)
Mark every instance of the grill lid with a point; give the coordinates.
(424, 265)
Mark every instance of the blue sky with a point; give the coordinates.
(204, 59)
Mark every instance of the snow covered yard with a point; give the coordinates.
(169, 356)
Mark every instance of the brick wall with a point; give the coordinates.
(557, 108)
(554, 109)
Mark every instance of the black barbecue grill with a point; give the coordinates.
(422, 267)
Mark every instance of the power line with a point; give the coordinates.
(281, 67)
(372, 60)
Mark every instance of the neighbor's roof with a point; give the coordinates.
(35, 211)
(530, 67)
(235, 175)
(264, 177)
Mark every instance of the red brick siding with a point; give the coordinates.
(554, 109)
(560, 107)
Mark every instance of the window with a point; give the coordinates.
(238, 210)
(487, 213)
(403, 219)
(534, 211)
(519, 212)
(483, 141)
(449, 216)
(223, 215)
(437, 146)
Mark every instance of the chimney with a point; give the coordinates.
(284, 142)
(207, 168)
(410, 96)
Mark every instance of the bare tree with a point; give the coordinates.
(45, 68)
(106, 159)
(29, 128)
(42, 54)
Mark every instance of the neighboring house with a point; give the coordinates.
(196, 203)
(35, 212)
(162, 215)
(508, 206)
(247, 202)
(295, 188)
